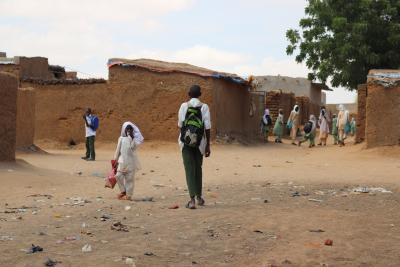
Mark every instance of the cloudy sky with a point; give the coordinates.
(240, 36)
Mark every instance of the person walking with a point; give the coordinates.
(335, 130)
(342, 120)
(323, 127)
(294, 123)
(278, 127)
(127, 159)
(309, 132)
(91, 125)
(194, 121)
(265, 123)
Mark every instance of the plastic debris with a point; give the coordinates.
(118, 226)
(129, 261)
(328, 242)
(87, 248)
(174, 207)
(6, 238)
(365, 189)
(315, 200)
(34, 249)
(149, 254)
(127, 208)
(50, 263)
(316, 231)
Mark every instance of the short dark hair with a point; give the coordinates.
(195, 91)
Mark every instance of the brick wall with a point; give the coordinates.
(25, 117)
(8, 111)
(276, 100)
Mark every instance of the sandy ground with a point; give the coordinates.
(258, 210)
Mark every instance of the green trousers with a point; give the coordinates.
(193, 161)
(90, 147)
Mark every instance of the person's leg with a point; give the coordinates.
(91, 147)
(121, 183)
(189, 158)
(129, 184)
(199, 176)
(87, 148)
(293, 134)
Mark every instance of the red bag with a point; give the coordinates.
(111, 180)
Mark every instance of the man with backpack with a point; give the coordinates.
(194, 121)
(91, 125)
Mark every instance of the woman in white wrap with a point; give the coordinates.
(341, 123)
(294, 120)
(127, 159)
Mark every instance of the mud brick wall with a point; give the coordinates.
(10, 68)
(276, 100)
(26, 103)
(361, 112)
(382, 115)
(8, 114)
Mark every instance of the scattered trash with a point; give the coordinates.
(71, 238)
(266, 201)
(255, 198)
(105, 217)
(315, 200)
(316, 231)
(118, 226)
(365, 189)
(296, 194)
(328, 242)
(129, 261)
(144, 199)
(257, 166)
(320, 193)
(289, 161)
(34, 249)
(127, 208)
(87, 248)
(34, 212)
(42, 195)
(51, 263)
(6, 238)
(104, 241)
(258, 231)
(78, 173)
(158, 185)
(174, 207)
(149, 254)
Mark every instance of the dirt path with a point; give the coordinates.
(258, 211)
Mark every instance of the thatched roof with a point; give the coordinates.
(171, 67)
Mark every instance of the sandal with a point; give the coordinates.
(200, 201)
(125, 197)
(121, 195)
(191, 205)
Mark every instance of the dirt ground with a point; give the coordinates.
(269, 205)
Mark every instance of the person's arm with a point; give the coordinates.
(207, 125)
(132, 144)
(86, 121)
(208, 150)
(118, 150)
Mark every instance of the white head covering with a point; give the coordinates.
(266, 112)
(341, 107)
(313, 119)
(294, 108)
(136, 132)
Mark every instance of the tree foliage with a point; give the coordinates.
(342, 40)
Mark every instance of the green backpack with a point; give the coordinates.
(192, 130)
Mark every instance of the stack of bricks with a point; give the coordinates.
(304, 103)
(361, 114)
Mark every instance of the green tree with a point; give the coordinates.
(342, 40)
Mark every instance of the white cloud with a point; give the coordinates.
(91, 10)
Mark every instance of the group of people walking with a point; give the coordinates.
(340, 129)
(194, 122)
